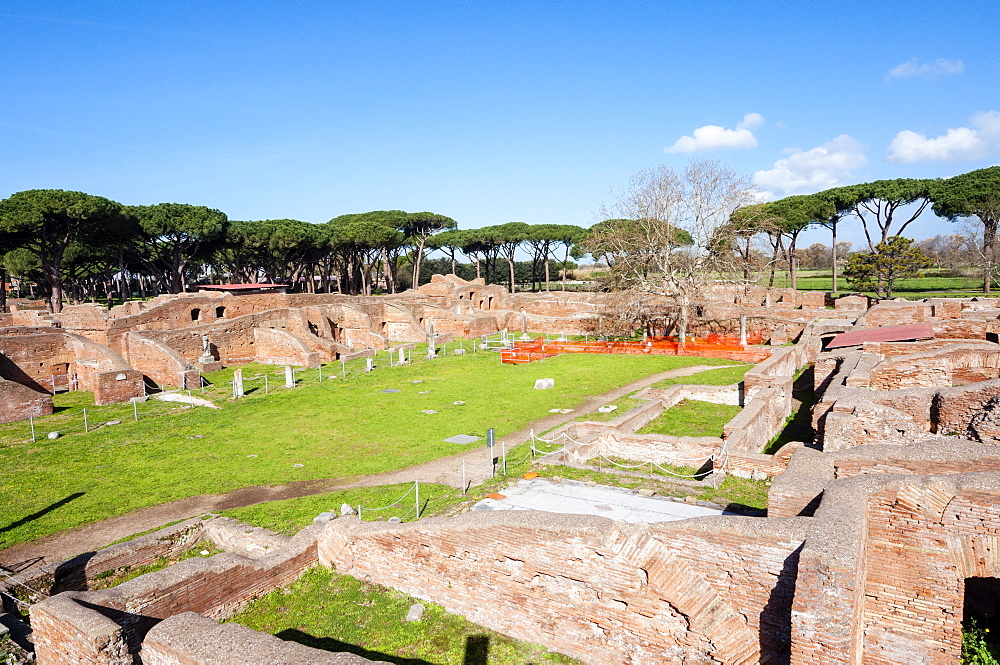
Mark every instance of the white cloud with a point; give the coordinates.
(751, 121)
(714, 137)
(958, 144)
(931, 70)
(824, 166)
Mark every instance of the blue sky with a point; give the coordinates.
(486, 112)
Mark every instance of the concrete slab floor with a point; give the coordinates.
(578, 498)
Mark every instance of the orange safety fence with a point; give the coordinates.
(707, 346)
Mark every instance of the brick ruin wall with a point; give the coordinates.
(862, 399)
(588, 587)
(917, 536)
(952, 364)
(19, 402)
(107, 627)
(826, 589)
(49, 361)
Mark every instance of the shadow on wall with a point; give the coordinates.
(477, 648)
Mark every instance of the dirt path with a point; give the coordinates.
(444, 471)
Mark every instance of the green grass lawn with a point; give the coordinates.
(339, 613)
(342, 427)
(692, 418)
(929, 285)
(289, 516)
(723, 376)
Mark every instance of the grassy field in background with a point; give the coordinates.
(723, 376)
(342, 427)
(930, 284)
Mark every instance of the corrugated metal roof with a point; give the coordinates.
(885, 334)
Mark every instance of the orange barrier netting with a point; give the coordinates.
(709, 346)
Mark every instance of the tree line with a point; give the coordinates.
(80, 246)
(885, 209)
(672, 234)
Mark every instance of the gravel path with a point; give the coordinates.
(444, 471)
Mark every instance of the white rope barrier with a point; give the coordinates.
(394, 502)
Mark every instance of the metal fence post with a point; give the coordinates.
(31, 420)
(463, 476)
(265, 383)
(135, 410)
(86, 426)
(416, 493)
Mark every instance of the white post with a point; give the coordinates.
(416, 505)
(369, 364)
(464, 484)
(503, 453)
(31, 419)
(238, 389)
(343, 369)
(86, 427)
(289, 377)
(321, 373)
(265, 383)
(135, 410)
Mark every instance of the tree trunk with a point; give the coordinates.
(3, 290)
(510, 264)
(833, 229)
(547, 273)
(989, 244)
(565, 262)
(682, 323)
(55, 283)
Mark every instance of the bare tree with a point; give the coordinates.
(662, 235)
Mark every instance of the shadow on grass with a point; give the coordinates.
(331, 644)
(48, 509)
(477, 648)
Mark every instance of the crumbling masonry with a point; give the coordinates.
(879, 539)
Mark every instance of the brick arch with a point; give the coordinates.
(930, 501)
(975, 555)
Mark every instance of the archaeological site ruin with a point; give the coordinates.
(881, 535)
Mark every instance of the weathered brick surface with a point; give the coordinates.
(18, 402)
(898, 313)
(602, 591)
(951, 364)
(107, 627)
(191, 639)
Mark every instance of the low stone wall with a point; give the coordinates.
(591, 588)
(761, 419)
(107, 627)
(191, 639)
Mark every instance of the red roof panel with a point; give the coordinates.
(887, 334)
(240, 287)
